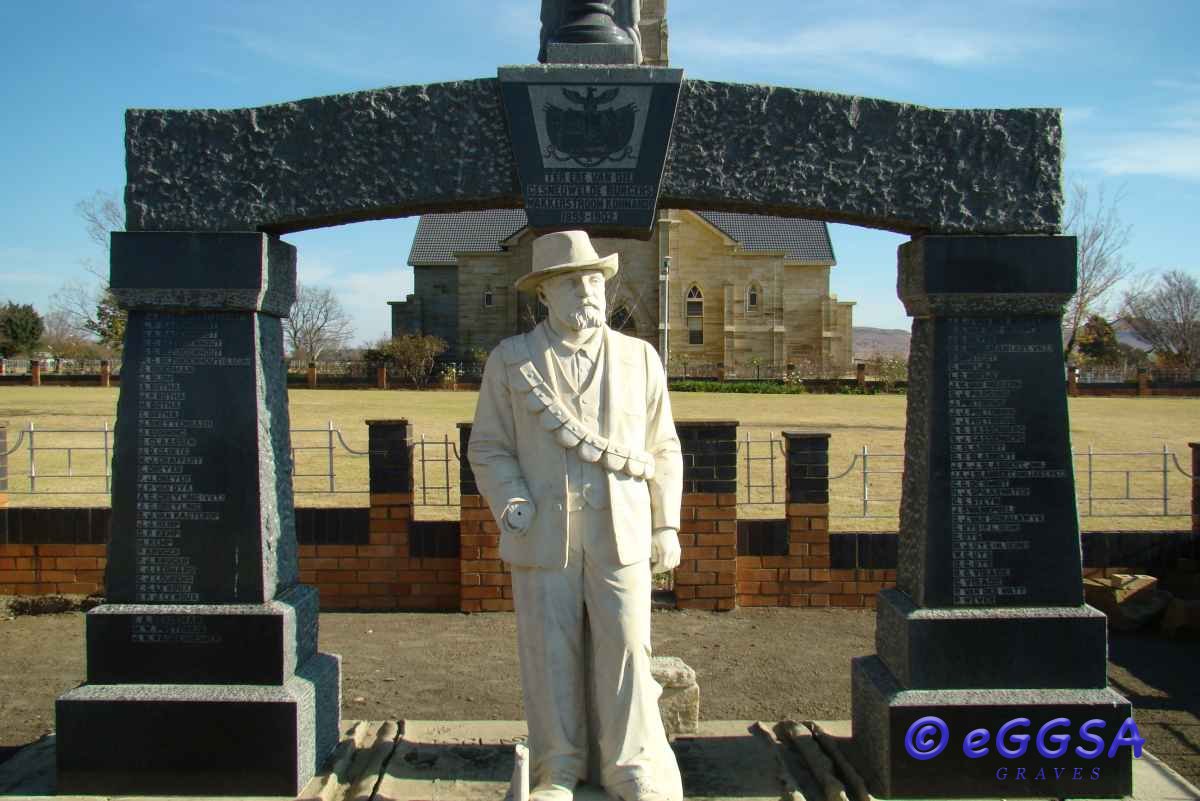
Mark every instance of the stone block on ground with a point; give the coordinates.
(1130, 602)
(679, 704)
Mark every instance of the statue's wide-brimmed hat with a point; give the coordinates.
(564, 252)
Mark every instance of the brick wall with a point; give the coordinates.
(706, 576)
(486, 583)
(790, 562)
(402, 564)
(52, 569)
(52, 551)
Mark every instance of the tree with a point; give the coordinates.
(1167, 315)
(1097, 342)
(412, 355)
(63, 340)
(91, 309)
(1102, 236)
(21, 329)
(316, 323)
(102, 214)
(108, 324)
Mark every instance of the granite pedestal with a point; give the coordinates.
(987, 624)
(207, 648)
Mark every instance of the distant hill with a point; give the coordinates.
(870, 342)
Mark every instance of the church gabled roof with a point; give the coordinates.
(440, 236)
(801, 240)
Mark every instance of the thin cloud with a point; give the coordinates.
(1073, 115)
(364, 295)
(331, 51)
(1162, 153)
(871, 44)
(1168, 146)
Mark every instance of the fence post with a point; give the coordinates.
(707, 574)
(1143, 378)
(105, 373)
(860, 375)
(1195, 446)
(3, 464)
(381, 377)
(35, 373)
(1073, 381)
(812, 580)
(416, 581)
(486, 583)
(312, 374)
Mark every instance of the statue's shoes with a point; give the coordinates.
(552, 792)
(640, 790)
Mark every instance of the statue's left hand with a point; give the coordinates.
(664, 550)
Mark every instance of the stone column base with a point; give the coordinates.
(192, 739)
(883, 714)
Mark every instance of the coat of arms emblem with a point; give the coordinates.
(592, 134)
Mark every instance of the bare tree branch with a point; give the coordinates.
(1102, 237)
(75, 303)
(1167, 315)
(316, 323)
(101, 214)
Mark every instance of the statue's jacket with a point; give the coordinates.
(520, 446)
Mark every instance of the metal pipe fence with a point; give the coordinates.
(1110, 484)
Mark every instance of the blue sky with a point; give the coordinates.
(1126, 74)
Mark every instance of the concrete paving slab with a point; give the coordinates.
(472, 761)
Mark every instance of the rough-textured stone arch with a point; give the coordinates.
(414, 149)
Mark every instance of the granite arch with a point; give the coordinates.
(410, 150)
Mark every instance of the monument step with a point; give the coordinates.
(915, 742)
(258, 644)
(174, 738)
(1005, 647)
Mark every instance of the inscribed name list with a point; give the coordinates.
(1008, 473)
(183, 383)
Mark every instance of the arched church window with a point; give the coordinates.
(622, 320)
(695, 316)
(753, 298)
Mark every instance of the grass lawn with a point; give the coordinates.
(854, 421)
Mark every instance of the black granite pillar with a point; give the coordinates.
(203, 671)
(391, 459)
(987, 624)
(709, 455)
(466, 476)
(807, 467)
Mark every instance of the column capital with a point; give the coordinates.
(986, 276)
(203, 271)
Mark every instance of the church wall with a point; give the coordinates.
(700, 256)
(438, 289)
(482, 326)
(805, 293)
(795, 294)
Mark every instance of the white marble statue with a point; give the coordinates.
(575, 451)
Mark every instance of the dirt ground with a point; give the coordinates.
(751, 664)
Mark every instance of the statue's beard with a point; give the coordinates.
(585, 318)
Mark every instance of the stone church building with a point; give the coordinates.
(725, 294)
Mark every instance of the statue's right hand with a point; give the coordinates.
(518, 515)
